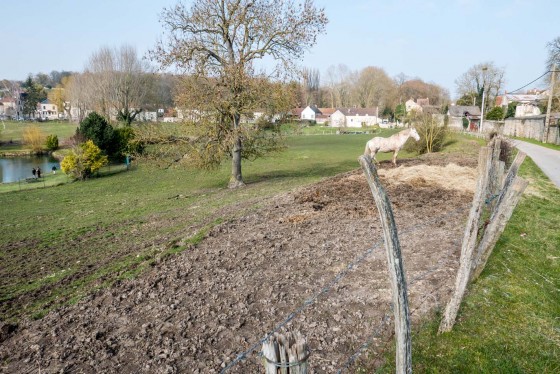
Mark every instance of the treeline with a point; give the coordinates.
(119, 84)
(368, 87)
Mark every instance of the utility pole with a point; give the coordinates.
(484, 69)
(549, 107)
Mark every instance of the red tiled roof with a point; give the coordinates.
(327, 111)
(297, 111)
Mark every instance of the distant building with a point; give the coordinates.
(527, 104)
(411, 105)
(46, 110)
(471, 113)
(354, 117)
(8, 107)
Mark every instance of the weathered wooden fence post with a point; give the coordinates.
(491, 184)
(285, 353)
(469, 240)
(396, 268)
(512, 189)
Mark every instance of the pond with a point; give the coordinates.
(13, 169)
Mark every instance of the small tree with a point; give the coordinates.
(495, 114)
(83, 161)
(34, 137)
(52, 142)
(96, 128)
(432, 135)
(511, 109)
(400, 112)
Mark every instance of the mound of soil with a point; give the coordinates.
(310, 260)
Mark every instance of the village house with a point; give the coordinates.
(46, 110)
(527, 104)
(325, 115)
(471, 113)
(412, 106)
(8, 107)
(354, 117)
(310, 113)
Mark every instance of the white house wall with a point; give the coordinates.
(357, 121)
(308, 114)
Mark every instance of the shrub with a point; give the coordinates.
(52, 142)
(511, 109)
(125, 142)
(495, 114)
(34, 137)
(432, 136)
(83, 161)
(96, 128)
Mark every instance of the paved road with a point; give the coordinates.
(547, 159)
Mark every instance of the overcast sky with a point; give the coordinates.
(434, 40)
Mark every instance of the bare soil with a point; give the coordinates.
(197, 311)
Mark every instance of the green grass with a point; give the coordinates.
(11, 133)
(508, 322)
(71, 238)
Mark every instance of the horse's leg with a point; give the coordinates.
(395, 152)
(373, 157)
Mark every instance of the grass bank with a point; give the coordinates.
(62, 242)
(508, 322)
(13, 130)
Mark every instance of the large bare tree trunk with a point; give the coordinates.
(236, 179)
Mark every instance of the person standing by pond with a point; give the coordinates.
(38, 172)
(34, 172)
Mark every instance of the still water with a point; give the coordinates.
(13, 169)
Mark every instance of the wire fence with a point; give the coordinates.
(341, 275)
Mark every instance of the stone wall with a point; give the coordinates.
(531, 128)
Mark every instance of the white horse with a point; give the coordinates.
(393, 144)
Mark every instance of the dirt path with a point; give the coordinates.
(197, 311)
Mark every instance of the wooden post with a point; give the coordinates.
(396, 268)
(548, 109)
(512, 172)
(497, 224)
(469, 241)
(494, 176)
(285, 354)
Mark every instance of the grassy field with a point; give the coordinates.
(508, 323)
(78, 236)
(60, 243)
(11, 133)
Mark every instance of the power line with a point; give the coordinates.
(520, 88)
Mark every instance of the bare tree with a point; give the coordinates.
(219, 42)
(121, 82)
(78, 93)
(311, 83)
(553, 60)
(553, 54)
(339, 81)
(372, 88)
(485, 77)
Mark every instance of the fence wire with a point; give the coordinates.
(310, 301)
(365, 346)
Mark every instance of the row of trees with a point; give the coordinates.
(368, 87)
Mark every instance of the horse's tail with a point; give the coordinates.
(366, 151)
